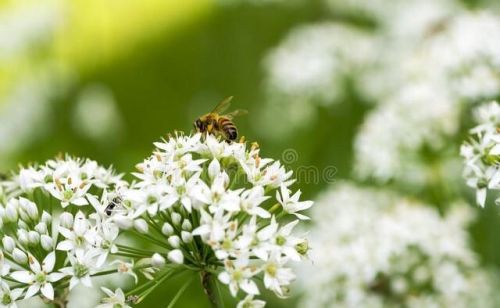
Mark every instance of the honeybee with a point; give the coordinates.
(220, 124)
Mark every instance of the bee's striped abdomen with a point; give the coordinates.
(228, 128)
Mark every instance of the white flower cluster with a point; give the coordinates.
(454, 63)
(389, 12)
(313, 61)
(482, 152)
(374, 249)
(52, 238)
(209, 205)
(465, 55)
(311, 67)
(206, 205)
(390, 139)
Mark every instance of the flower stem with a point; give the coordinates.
(274, 208)
(206, 282)
(61, 301)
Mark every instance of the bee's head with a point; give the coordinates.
(198, 125)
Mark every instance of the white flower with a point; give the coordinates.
(250, 202)
(276, 276)
(114, 300)
(126, 268)
(68, 189)
(83, 265)
(79, 237)
(8, 297)
(249, 302)
(29, 179)
(212, 228)
(40, 277)
(292, 204)
(103, 237)
(272, 239)
(238, 274)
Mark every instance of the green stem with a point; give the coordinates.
(152, 239)
(128, 249)
(179, 293)
(206, 282)
(274, 208)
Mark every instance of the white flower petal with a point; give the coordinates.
(22, 276)
(47, 291)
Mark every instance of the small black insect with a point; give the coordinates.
(112, 204)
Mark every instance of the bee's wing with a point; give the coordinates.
(236, 113)
(222, 106)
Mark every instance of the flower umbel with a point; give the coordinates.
(482, 152)
(207, 204)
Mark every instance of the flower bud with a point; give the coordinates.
(176, 256)
(123, 222)
(167, 229)
(22, 225)
(41, 228)
(22, 236)
(302, 248)
(47, 242)
(174, 241)
(66, 220)
(176, 218)
(33, 237)
(19, 256)
(29, 207)
(187, 237)
(8, 243)
(22, 214)
(46, 218)
(141, 226)
(213, 169)
(11, 212)
(157, 260)
(186, 225)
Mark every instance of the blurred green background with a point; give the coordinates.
(105, 79)
(157, 65)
